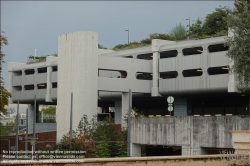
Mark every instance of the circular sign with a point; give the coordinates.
(170, 108)
(170, 99)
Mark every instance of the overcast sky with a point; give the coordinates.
(29, 25)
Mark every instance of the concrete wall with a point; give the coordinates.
(77, 73)
(189, 131)
(117, 61)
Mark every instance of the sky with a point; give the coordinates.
(31, 25)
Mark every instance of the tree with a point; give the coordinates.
(178, 32)
(40, 58)
(197, 30)
(101, 46)
(239, 48)
(4, 94)
(49, 111)
(96, 138)
(239, 5)
(215, 24)
(6, 129)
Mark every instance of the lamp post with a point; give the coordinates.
(128, 35)
(188, 27)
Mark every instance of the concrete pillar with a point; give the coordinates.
(30, 118)
(121, 110)
(232, 83)
(118, 112)
(49, 84)
(156, 44)
(135, 150)
(155, 88)
(125, 107)
(180, 107)
(77, 73)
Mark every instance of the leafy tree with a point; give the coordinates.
(4, 94)
(239, 5)
(49, 111)
(6, 129)
(97, 138)
(101, 46)
(178, 32)
(197, 30)
(239, 48)
(216, 22)
(152, 36)
(40, 58)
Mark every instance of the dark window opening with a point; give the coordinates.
(103, 116)
(217, 48)
(110, 73)
(17, 73)
(17, 88)
(29, 71)
(192, 72)
(148, 56)
(42, 70)
(192, 51)
(144, 76)
(218, 70)
(29, 87)
(168, 54)
(54, 68)
(54, 85)
(130, 56)
(42, 86)
(169, 74)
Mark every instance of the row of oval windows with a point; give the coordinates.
(173, 74)
(148, 56)
(185, 51)
(32, 86)
(185, 73)
(32, 71)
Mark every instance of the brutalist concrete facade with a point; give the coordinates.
(194, 72)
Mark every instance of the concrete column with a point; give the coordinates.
(156, 44)
(49, 84)
(232, 83)
(118, 112)
(155, 88)
(121, 110)
(30, 118)
(135, 150)
(125, 107)
(77, 73)
(10, 85)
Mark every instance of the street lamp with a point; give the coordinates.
(188, 27)
(128, 35)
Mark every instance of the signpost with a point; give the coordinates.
(170, 101)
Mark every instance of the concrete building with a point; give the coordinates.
(194, 72)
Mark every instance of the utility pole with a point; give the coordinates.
(34, 123)
(129, 124)
(27, 130)
(17, 128)
(128, 35)
(188, 27)
(71, 115)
